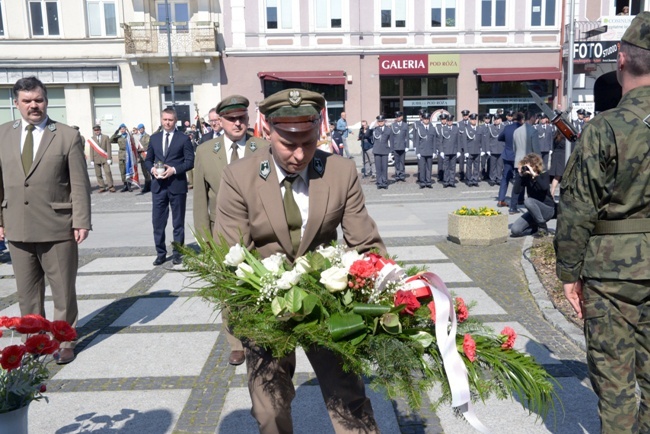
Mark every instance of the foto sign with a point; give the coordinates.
(595, 52)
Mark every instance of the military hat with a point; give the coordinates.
(510, 113)
(294, 110)
(444, 116)
(473, 116)
(581, 111)
(332, 122)
(122, 126)
(398, 114)
(140, 126)
(487, 116)
(381, 118)
(465, 112)
(233, 105)
(543, 116)
(424, 113)
(638, 34)
(97, 127)
(588, 114)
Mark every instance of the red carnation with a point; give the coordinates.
(432, 309)
(407, 298)
(461, 310)
(41, 344)
(32, 323)
(362, 269)
(378, 261)
(12, 356)
(9, 322)
(62, 331)
(43, 388)
(469, 347)
(510, 336)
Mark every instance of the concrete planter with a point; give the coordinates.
(477, 230)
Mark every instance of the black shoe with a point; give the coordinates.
(429, 186)
(125, 188)
(491, 183)
(177, 259)
(445, 185)
(159, 260)
(452, 185)
(422, 186)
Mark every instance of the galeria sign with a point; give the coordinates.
(419, 64)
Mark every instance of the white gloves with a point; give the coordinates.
(489, 153)
(109, 162)
(457, 154)
(466, 155)
(442, 154)
(550, 152)
(419, 156)
(92, 164)
(482, 154)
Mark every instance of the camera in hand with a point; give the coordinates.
(525, 170)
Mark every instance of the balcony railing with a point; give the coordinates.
(151, 38)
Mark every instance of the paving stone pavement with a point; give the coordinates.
(151, 358)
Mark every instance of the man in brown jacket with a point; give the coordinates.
(326, 194)
(45, 212)
(100, 157)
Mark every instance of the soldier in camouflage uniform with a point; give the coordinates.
(120, 137)
(142, 153)
(603, 241)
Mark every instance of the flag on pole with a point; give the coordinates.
(260, 124)
(132, 161)
(324, 122)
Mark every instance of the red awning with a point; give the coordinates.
(314, 77)
(518, 74)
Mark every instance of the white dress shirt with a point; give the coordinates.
(37, 134)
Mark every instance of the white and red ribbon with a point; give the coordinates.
(93, 144)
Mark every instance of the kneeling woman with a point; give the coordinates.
(539, 202)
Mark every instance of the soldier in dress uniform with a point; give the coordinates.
(441, 165)
(462, 125)
(510, 114)
(485, 158)
(142, 152)
(448, 150)
(424, 140)
(120, 137)
(380, 149)
(579, 123)
(493, 149)
(399, 142)
(99, 162)
(472, 145)
(545, 132)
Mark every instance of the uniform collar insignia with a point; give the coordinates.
(16, 124)
(253, 146)
(51, 127)
(318, 165)
(217, 146)
(265, 169)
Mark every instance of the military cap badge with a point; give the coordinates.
(294, 98)
(265, 169)
(318, 165)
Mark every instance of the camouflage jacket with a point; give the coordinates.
(606, 178)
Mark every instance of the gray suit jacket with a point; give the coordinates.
(250, 208)
(54, 197)
(209, 163)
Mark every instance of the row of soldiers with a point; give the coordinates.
(474, 147)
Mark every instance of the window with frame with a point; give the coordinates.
(2, 20)
(542, 13)
(443, 13)
(102, 20)
(393, 13)
(44, 17)
(178, 12)
(329, 14)
(493, 13)
(278, 14)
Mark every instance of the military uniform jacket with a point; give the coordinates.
(424, 139)
(144, 141)
(471, 140)
(54, 197)
(448, 139)
(105, 144)
(381, 140)
(607, 178)
(211, 159)
(579, 125)
(399, 136)
(121, 143)
(491, 141)
(545, 134)
(250, 208)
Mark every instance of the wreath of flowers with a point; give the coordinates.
(384, 322)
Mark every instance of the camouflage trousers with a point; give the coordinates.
(617, 332)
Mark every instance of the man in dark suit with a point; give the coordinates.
(322, 192)
(215, 123)
(169, 157)
(45, 213)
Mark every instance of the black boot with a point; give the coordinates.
(125, 188)
(128, 186)
(147, 187)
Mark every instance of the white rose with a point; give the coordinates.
(349, 257)
(301, 265)
(335, 279)
(242, 268)
(273, 263)
(235, 256)
(328, 252)
(288, 279)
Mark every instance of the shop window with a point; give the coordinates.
(443, 13)
(44, 17)
(512, 95)
(329, 14)
(410, 94)
(107, 107)
(278, 14)
(393, 13)
(101, 18)
(178, 12)
(493, 13)
(542, 13)
(2, 19)
(334, 94)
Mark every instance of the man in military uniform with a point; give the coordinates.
(102, 144)
(448, 150)
(579, 123)
(120, 137)
(510, 114)
(545, 133)
(483, 130)
(380, 149)
(211, 159)
(493, 149)
(424, 140)
(462, 126)
(472, 145)
(399, 142)
(142, 153)
(602, 242)
(321, 193)
(441, 163)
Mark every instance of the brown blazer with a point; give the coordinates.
(54, 197)
(103, 143)
(209, 163)
(250, 208)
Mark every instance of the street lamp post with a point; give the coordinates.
(169, 49)
(569, 88)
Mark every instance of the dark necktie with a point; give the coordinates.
(166, 144)
(28, 149)
(292, 213)
(234, 156)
